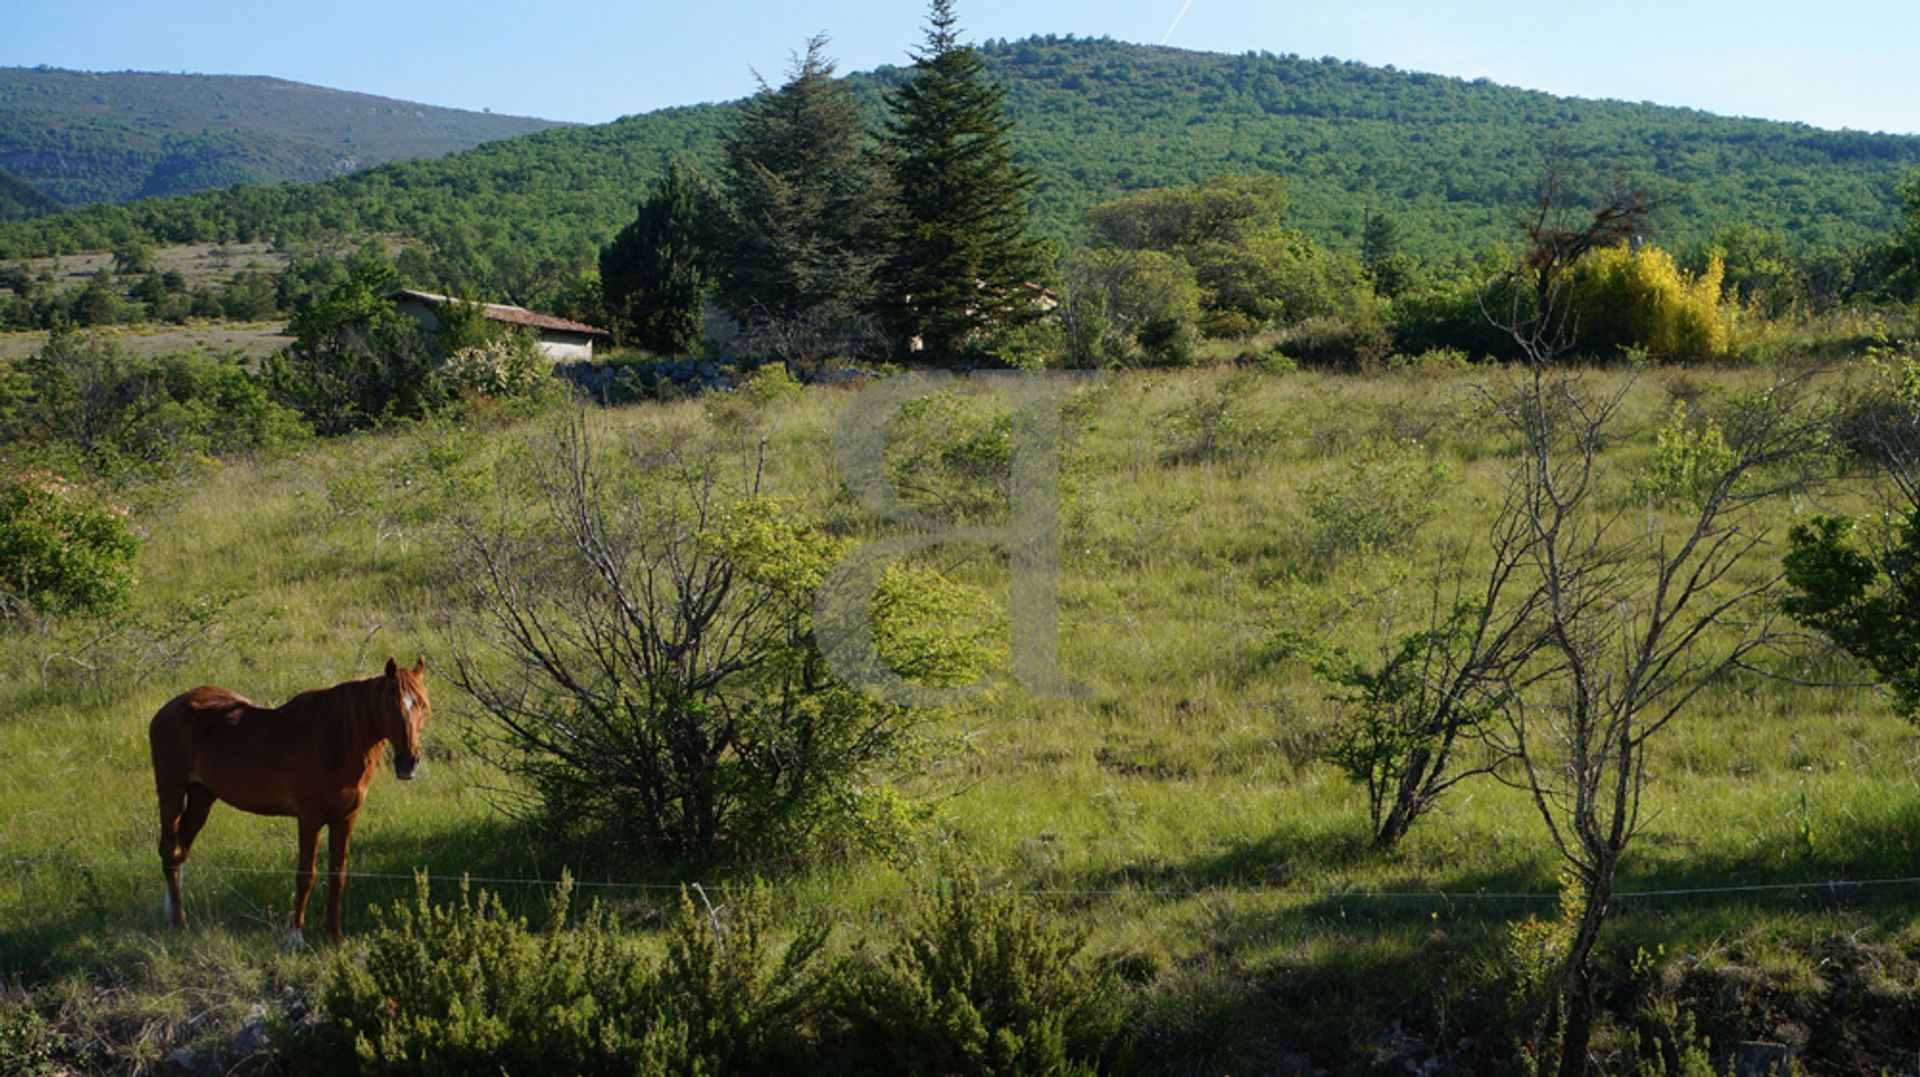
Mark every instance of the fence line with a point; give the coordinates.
(1168, 893)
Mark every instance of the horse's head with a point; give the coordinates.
(406, 708)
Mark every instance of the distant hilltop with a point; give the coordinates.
(74, 138)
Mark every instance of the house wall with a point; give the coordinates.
(565, 347)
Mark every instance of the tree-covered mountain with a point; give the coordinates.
(1450, 159)
(84, 137)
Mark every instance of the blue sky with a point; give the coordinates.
(1837, 65)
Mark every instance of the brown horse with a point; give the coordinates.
(311, 759)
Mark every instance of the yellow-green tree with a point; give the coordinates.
(1639, 300)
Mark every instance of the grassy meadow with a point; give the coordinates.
(1177, 810)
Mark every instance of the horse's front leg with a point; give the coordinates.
(339, 833)
(303, 878)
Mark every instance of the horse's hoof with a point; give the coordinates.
(297, 940)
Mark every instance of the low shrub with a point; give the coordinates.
(468, 988)
(1434, 362)
(1360, 340)
(1690, 453)
(28, 1047)
(1221, 426)
(1384, 496)
(982, 983)
(717, 727)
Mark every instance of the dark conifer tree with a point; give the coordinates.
(654, 275)
(963, 253)
(804, 196)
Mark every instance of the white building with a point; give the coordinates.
(558, 339)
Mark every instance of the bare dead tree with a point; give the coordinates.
(1560, 232)
(1636, 616)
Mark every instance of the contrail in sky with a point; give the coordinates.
(1168, 36)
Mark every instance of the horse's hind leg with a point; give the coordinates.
(172, 803)
(199, 803)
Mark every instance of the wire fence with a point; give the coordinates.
(1173, 893)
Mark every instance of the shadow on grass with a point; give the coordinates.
(1340, 880)
(67, 914)
(1276, 861)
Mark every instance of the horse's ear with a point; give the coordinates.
(391, 668)
(419, 664)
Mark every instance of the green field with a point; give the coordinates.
(1178, 811)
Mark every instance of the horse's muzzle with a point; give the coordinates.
(404, 766)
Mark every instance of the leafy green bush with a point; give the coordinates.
(1434, 362)
(502, 368)
(1459, 315)
(466, 988)
(1866, 601)
(61, 550)
(1402, 719)
(1534, 966)
(983, 983)
(1689, 455)
(950, 453)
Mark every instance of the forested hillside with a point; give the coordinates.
(1450, 159)
(84, 137)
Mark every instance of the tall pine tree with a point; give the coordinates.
(805, 197)
(963, 255)
(654, 275)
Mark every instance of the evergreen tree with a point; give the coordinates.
(963, 255)
(654, 274)
(1390, 271)
(804, 197)
(1379, 238)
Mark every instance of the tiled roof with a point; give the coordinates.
(500, 312)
